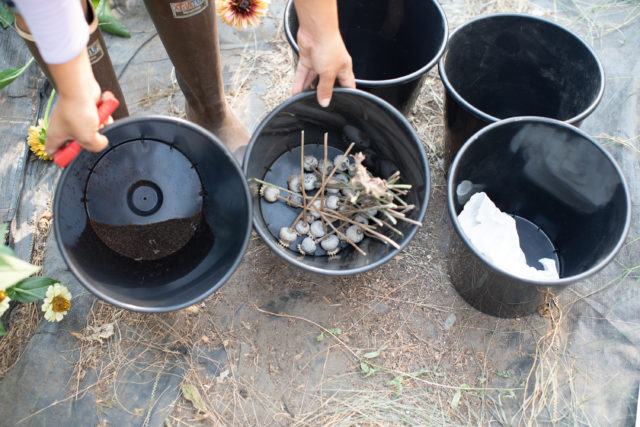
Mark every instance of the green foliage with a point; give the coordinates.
(15, 277)
(30, 289)
(458, 395)
(108, 22)
(191, 393)
(334, 331)
(6, 16)
(368, 368)
(10, 74)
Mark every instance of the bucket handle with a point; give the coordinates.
(107, 104)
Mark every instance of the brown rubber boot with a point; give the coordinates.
(189, 33)
(101, 64)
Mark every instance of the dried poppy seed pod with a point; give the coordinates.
(342, 165)
(310, 182)
(354, 233)
(269, 193)
(330, 243)
(294, 183)
(316, 229)
(332, 202)
(310, 162)
(333, 190)
(307, 246)
(302, 228)
(361, 219)
(325, 168)
(287, 236)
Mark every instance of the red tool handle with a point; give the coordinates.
(106, 105)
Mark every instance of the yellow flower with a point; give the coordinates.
(57, 302)
(4, 302)
(36, 138)
(240, 13)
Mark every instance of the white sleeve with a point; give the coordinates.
(59, 28)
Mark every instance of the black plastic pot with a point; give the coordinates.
(507, 65)
(378, 130)
(157, 221)
(393, 44)
(569, 199)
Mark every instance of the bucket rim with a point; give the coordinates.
(563, 281)
(489, 118)
(266, 236)
(85, 280)
(387, 82)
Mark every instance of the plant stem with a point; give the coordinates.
(46, 111)
(321, 190)
(343, 236)
(304, 192)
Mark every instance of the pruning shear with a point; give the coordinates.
(107, 104)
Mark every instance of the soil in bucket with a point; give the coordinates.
(136, 208)
(161, 179)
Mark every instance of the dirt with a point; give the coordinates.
(148, 242)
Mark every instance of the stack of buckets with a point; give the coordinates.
(516, 87)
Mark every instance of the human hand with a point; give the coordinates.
(322, 50)
(75, 115)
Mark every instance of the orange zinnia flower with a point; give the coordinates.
(240, 13)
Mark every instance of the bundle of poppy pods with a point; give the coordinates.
(340, 203)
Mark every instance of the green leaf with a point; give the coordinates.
(456, 399)
(504, 374)
(6, 15)
(191, 393)
(13, 270)
(364, 368)
(334, 331)
(396, 383)
(10, 74)
(108, 22)
(374, 354)
(30, 289)
(2, 330)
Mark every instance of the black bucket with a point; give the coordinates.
(378, 130)
(393, 44)
(508, 65)
(157, 221)
(567, 195)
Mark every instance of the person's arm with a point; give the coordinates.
(322, 50)
(75, 115)
(61, 33)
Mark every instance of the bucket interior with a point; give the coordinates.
(197, 180)
(566, 193)
(378, 131)
(387, 39)
(517, 65)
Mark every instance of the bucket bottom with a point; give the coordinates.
(493, 292)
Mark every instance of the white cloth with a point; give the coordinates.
(59, 28)
(494, 234)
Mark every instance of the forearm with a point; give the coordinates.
(74, 78)
(58, 27)
(318, 19)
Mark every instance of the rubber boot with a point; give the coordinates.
(101, 64)
(190, 37)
